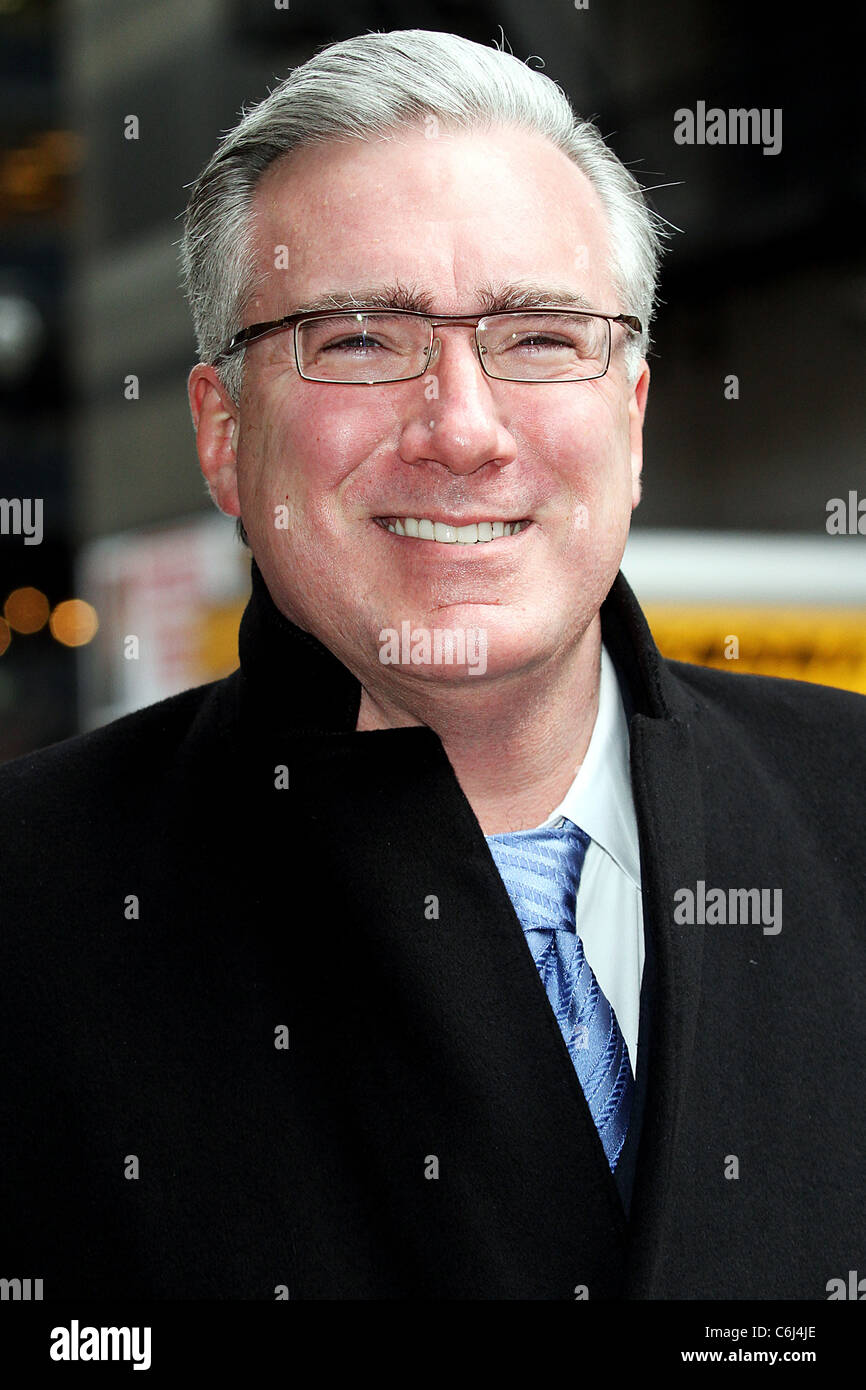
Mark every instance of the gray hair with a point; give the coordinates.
(374, 86)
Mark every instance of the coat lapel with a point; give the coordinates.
(668, 806)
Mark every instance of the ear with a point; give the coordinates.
(217, 430)
(636, 412)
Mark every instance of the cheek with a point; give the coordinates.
(591, 456)
(609, 452)
(287, 461)
(312, 448)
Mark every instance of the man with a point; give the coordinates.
(370, 971)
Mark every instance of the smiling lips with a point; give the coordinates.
(475, 533)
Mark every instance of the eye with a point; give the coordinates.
(541, 340)
(355, 343)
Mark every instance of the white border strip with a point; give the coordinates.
(745, 567)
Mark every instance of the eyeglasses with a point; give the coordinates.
(368, 347)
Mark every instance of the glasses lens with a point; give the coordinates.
(362, 347)
(545, 346)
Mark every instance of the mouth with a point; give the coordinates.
(468, 533)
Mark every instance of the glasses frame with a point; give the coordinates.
(295, 321)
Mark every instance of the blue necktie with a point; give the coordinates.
(541, 870)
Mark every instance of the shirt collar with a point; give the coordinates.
(600, 799)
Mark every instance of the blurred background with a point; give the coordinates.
(755, 423)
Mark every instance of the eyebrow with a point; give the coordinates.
(493, 298)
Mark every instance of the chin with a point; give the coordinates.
(458, 646)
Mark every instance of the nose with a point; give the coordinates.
(453, 323)
(458, 420)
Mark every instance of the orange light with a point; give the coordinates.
(74, 622)
(33, 176)
(26, 610)
(5, 635)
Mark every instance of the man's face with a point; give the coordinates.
(444, 216)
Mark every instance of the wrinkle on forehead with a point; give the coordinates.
(352, 213)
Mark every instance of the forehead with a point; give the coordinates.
(444, 213)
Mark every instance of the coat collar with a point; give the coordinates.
(290, 678)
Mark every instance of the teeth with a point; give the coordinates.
(421, 528)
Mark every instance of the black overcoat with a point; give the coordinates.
(260, 1038)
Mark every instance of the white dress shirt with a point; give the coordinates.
(609, 907)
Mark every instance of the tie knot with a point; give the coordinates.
(541, 870)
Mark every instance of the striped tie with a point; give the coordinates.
(541, 870)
